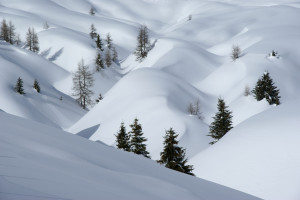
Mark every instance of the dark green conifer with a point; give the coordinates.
(137, 139)
(222, 122)
(265, 88)
(36, 86)
(123, 139)
(99, 43)
(19, 86)
(173, 156)
(99, 62)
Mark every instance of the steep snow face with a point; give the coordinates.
(40, 162)
(46, 106)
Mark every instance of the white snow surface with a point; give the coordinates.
(38, 162)
(190, 61)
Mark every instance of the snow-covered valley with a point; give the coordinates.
(190, 61)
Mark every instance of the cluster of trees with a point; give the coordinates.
(8, 34)
(19, 87)
(172, 156)
(104, 57)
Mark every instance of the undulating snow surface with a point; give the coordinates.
(39, 162)
(190, 61)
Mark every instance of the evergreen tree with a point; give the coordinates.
(93, 33)
(19, 86)
(92, 11)
(265, 88)
(123, 139)
(4, 33)
(99, 43)
(99, 98)
(115, 55)
(222, 122)
(173, 156)
(36, 86)
(137, 139)
(11, 33)
(143, 44)
(108, 60)
(83, 81)
(99, 62)
(109, 41)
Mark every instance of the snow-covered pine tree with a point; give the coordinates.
(143, 44)
(123, 138)
(137, 139)
(108, 59)
(4, 33)
(109, 41)
(36, 86)
(173, 156)
(222, 122)
(265, 88)
(11, 33)
(83, 81)
(19, 86)
(99, 43)
(93, 30)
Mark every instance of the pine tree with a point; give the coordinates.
(143, 44)
(93, 33)
(109, 41)
(92, 11)
(265, 88)
(222, 122)
(4, 33)
(137, 139)
(115, 55)
(123, 139)
(36, 86)
(173, 156)
(11, 33)
(83, 81)
(108, 60)
(99, 43)
(99, 62)
(19, 86)
(99, 98)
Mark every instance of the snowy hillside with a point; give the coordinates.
(189, 62)
(39, 162)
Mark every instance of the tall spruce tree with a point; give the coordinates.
(99, 43)
(36, 86)
(143, 44)
(137, 139)
(173, 156)
(123, 138)
(19, 86)
(265, 89)
(222, 122)
(99, 62)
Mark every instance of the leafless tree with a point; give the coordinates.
(236, 52)
(143, 44)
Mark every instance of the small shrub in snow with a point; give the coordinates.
(92, 11)
(46, 25)
(274, 54)
(137, 145)
(194, 109)
(173, 156)
(36, 86)
(236, 52)
(189, 17)
(222, 122)
(19, 86)
(99, 98)
(265, 89)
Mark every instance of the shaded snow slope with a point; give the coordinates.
(46, 106)
(40, 162)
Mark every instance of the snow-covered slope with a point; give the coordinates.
(190, 60)
(40, 162)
